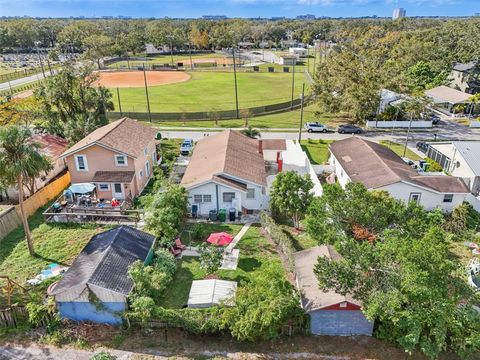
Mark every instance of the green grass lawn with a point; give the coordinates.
(162, 59)
(59, 243)
(399, 149)
(210, 91)
(209, 228)
(317, 150)
(289, 119)
(255, 251)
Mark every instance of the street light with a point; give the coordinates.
(235, 80)
(171, 48)
(293, 83)
(302, 97)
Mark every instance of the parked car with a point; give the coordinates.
(422, 146)
(430, 116)
(186, 147)
(315, 127)
(349, 129)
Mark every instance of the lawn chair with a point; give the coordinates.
(175, 252)
(179, 245)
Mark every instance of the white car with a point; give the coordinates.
(316, 127)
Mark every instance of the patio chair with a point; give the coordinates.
(179, 245)
(175, 252)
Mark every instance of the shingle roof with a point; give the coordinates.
(126, 136)
(444, 94)
(113, 176)
(375, 166)
(274, 144)
(228, 153)
(104, 261)
(50, 145)
(312, 297)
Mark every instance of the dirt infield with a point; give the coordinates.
(219, 61)
(130, 79)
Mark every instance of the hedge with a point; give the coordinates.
(279, 237)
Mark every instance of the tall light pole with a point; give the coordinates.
(190, 48)
(171, 49)
(293, 84)
(235, 80)
(301, 114)
(146, 93)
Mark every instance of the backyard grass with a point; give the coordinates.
(185, 234)
(255, 251)
(59, 243)
(210, 91)
(316, 150)
(399, 148)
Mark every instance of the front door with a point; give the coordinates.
(117, 191)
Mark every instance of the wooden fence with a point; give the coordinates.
(9, 220)
(12, 316)
(45, 194)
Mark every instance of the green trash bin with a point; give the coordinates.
(222, 215)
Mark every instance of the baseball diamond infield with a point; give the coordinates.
(132, 79)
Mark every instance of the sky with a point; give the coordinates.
(235, 8)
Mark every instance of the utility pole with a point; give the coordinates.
(301, 114)
(293, 84)
(40, 59)
(235, 79)
(119, 103)
(171, 49)
(308, 59)
(408, 133)
(146, 93)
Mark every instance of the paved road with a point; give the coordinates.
(23, 81)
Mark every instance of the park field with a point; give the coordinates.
(161, 59)
(211, 91)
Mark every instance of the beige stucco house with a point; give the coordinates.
(118, 158)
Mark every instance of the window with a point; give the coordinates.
(81, 162)
(250, 193)
(154, 157)
(415, 197)
(120, 160)
(343, 304)
(147, 169)
(197, 199)
(140, 174)
(448, 198)
(228, 197)
(117, 188)
(103, 187)
(145, 152)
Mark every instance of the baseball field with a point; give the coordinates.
(175, 91)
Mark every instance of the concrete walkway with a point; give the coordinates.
(238, 237)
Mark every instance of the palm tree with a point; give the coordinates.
(251, 132)
(19, 157)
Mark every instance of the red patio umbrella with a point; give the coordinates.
(220, 239)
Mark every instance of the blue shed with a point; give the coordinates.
(96, 286)
(330, 313)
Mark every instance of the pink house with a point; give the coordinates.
(118, 158)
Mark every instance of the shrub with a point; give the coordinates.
(433, 166)
(103, 355)
(198, 232)
(165, 262)
(210, 257)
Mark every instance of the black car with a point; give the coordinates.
(349, 129)
(422, 146)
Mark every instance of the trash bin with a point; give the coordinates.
(232, 212)
(212, 215)
(222, 215)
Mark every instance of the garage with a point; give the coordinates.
(330, 313)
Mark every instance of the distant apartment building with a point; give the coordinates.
(214, 17)
(399, 13)
(306, 17)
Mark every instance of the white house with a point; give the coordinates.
(379, 168)
(227, 170)
(459, 158)
(230, 170)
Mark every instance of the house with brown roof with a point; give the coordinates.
(118, 158)
(379, 168)
(330, 313)
(227, 171)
